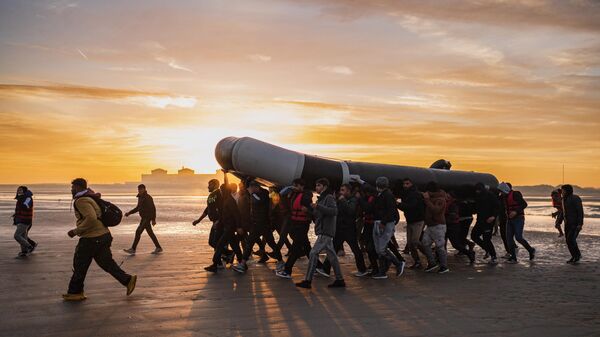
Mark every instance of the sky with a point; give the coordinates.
(110, 89)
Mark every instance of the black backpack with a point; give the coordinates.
(110, 214)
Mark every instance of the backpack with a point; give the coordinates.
(110, 214)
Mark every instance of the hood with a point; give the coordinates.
(27, 194)
(87, 193)
(437, 195)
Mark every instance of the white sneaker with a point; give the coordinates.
(283, 274)
(240, 268)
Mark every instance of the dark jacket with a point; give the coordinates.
(230, 214)
(259, 207)
(573, 211)
(213, 205)
(325, 214)
(412, 205)
(244, 207)
(435, 208)
(145, 206)
(346, 215)
(487, 205)
(24, 209)
(385, 209)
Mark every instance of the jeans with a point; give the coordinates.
(514, 230)
(323, 243)
(22, 237)
(482, 236)
(435, 234)
(571, 234)
(145, 225)
(413, 237)
(97, 249)
(381, 238)
(348, 236)
(503, 223)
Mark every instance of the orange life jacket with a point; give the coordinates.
(297, 213)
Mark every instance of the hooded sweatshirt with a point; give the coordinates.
(412, 205)
(24, 209)
(325, 214)
(87, 213)
(145, 206)
(435, 208)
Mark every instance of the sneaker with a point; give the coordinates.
(443, 270)
(263, 259)
(304, 284)
(506, 256)
(571, 261)
(512, 260)
(321, 272)
(131, 284)
(279, 266)
(431, 268)
(240, 268)
(576, 261)
(337, 284)
(21, 255)
(157, 251)
(493, 261)
(283, 274)
(129, 251)
(361, 273)
(379, 276)
(33, 247)
(532, 254)
(400, 268)
(212, 268)
(416, 265)
(74, 297)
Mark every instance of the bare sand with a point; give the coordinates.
(176, 297)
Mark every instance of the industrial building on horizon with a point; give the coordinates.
(185, 177)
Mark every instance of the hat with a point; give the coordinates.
(504, 188)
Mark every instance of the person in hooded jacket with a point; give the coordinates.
(556, 197)
(453, 227)
(23, 220)
(487, 207)
(435, 231)
(413, 206)
(324, 212)
(94, 243)
(573, 213)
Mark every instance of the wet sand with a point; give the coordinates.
(176, 297)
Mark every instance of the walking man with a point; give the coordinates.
(23, 219)
(147, 210)
(413, 206)
(515, 205)
(487, 206)
(435, 232)
(573, 213)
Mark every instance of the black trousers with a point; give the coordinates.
(571, 234)
(482, 236)
(284, 231)
(459, 242)
(502, 225)
(228, 237)
(97, 249)
(145, 225)
(347, 235)
(367, 237)
(300, 243)
(261, 230)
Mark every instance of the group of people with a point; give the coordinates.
(365, 217)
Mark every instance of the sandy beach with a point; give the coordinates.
(176, 297)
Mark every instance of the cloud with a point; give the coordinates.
(122, 96)
(339, 70)
(82, 54)
(172, 63)
(259, 58)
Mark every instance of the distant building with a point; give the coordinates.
(184, 177)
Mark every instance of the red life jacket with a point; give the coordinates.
(23, 214)
(511, 204)
(297, 213)
(369, 218)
